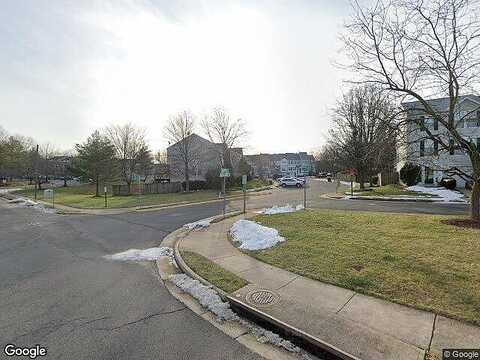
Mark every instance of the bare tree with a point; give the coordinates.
(417, 49)
(222, 129)
(178, 132)
(363, 137)
(130, 146)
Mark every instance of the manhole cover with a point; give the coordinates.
(262, 297)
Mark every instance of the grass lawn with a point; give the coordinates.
(410, 259)
(212, 272)
(83, 197)
(391, 190)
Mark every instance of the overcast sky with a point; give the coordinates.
(70, 67)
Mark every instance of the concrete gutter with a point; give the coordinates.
(300, 338)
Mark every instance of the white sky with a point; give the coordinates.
(70, 67)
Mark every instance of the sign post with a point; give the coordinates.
(105, 194)
(353, 173)
(305, 192)
(244, 186)
(224, 173)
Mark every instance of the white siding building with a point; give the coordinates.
(434, 160)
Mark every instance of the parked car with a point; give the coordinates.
(290, 181)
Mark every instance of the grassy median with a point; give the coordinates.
(213, 273)
(410, 259)
(83, 196)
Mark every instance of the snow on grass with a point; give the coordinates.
(206, 296)
(253, 236)
(141, 255)
(443, 194)
(202, 224)
(280, 209)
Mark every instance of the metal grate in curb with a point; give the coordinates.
(262, 297)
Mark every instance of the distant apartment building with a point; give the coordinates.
(435, 161)
(286, 164)
(204, 156)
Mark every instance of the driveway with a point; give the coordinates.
(56, 290)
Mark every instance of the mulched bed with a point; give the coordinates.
(464, 223)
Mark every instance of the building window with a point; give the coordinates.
(421, 123)
(422, 147)
(452, 147)
(435, 147)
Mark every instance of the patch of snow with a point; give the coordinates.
(280, 209)
(141, 255)
(202, 224)
(206, 296)
(253, 236)
(5, 191)
(209, 299)
(268, 337)
(32, 204)
(444, 195)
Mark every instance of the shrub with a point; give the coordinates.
(195, 185)
(374, 180)
(448, 183)
(410, 174)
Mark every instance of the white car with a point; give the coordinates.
(290, 181)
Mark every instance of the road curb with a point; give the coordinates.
(300, 338)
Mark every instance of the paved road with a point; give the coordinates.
(318, 188)
(56, 289)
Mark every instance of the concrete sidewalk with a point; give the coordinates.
(364, 326)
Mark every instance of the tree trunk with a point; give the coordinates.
(187, 179)
(475, 209)
(361, 179)
(129, 183)
(96, 187)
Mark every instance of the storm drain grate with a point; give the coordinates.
(262, 297)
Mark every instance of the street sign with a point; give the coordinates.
(244, 179)
(225, 173)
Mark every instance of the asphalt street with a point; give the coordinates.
(56, 290)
